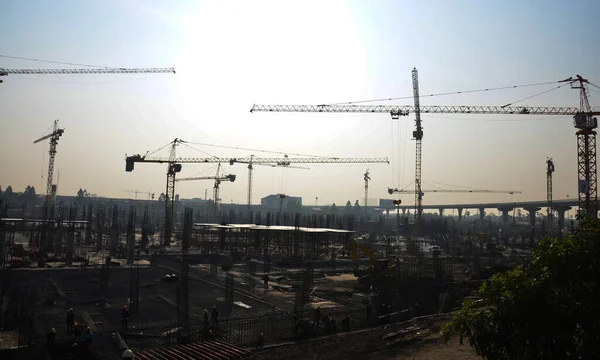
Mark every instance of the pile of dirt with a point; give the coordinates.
(415, 339)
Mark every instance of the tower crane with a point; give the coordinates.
(218, 179)
(251, 164)
(367, 178)
(136, 192)
(90, 71)
(174, 166)
(549, 171)
(473, 191)
(53, 136)
(584, 120)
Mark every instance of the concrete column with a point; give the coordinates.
(561, 210)
(532, 211)
(69, 250)
(459, 214)
(505, 211)
(114, 240)
(58, 236)
(441, 210)
(481, 213)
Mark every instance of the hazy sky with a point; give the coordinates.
(231, 54)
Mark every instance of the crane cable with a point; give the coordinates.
(257, 150)
(538, 94)
(193, 148)
(56, 62)
(445, 93)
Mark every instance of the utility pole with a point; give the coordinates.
(549, 171)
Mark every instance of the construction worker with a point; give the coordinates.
(214, 316)
(70, 319)
(89, 339)
(51, 336)
(261, 341)
(317, 316)
(416, 309)
(127, 355)
(124, 316)
(89, 335)
(205, 320)
(346, 322)
(76, 329)
(266, 282)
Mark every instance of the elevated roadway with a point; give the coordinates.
(561, 206)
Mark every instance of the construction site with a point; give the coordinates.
(101, 278)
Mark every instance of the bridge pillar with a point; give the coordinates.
(481, 213)
(561, 210)
(459, 214)
(441, 210)
(505, 210)
(532, 211)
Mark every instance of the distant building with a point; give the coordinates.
(386, 203)
(272, 202)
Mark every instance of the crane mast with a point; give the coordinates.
(54, 136)
(549, 171)
(172, 169)
(586, 123)
(216, 196)
(418, 136)
(250, 171)
(367, 178)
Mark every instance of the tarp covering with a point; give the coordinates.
(271, 228)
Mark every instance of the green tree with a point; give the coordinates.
(547, 311)
(29, 194)
(293, 206)
(8, 192)
(333, 208)
(348, 206)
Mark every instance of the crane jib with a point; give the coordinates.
(403, 110)
(6, 72)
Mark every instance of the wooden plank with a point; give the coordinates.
(121, 344)
(88, 321)
(60, 292)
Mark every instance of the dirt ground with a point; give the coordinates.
(411, 340)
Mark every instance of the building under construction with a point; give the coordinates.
(264, 276)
